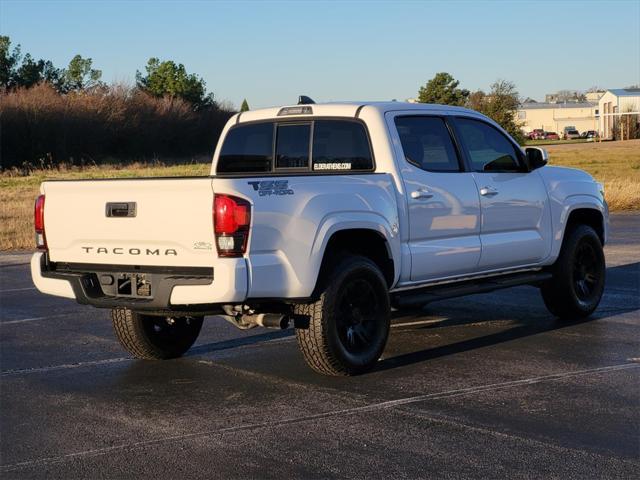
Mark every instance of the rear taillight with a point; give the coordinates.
(38, 222)
(231, 220)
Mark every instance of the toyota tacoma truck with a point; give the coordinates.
(325, 217)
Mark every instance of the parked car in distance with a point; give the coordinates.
(592, 134)
(551, 136)
(536, 134)
(571, 134)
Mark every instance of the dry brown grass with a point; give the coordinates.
(41, 127)
(16, 216)
(617, 164)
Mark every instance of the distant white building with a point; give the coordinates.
(555, 117)
(595, 96)
(584, 116)
(615, 103)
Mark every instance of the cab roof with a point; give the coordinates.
(343, 109)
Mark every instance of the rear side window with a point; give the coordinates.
(340, 145)
(333, 145)
(292, 145)
(247, 149)
(488, 149)
(427, 144)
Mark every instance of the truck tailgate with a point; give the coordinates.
(163, 222)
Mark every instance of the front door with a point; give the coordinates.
(516, 220)
(443, 205)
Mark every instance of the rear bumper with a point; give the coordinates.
(53, 286)
(172, 289)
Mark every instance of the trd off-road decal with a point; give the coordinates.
(272, 187)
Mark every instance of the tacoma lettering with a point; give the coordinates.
(131, 251)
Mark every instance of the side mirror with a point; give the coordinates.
(536, 157)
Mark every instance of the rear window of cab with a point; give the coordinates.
(305, 146)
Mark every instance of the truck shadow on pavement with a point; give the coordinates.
(528, 322)
(239, 342)
(531, 320)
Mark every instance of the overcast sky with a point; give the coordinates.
(270, 52)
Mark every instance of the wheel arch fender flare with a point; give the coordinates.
(572, 204)
(344, 221)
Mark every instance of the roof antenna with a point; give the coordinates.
(304, 100)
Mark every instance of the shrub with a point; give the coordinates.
(41, 126)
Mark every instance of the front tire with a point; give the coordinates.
(150, 337)
(349, 324)
(578, 275)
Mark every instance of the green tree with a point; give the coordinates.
(501, 105)
(80, 76)
(172, 80)
(18, 71)
(245, 106)
(32, 72)
(443, 89)
(8, 62)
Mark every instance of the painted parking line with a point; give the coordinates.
(314, 417)
(4, 265)
(418, 322)
(66, 366)
(17, 289)
(34, 319)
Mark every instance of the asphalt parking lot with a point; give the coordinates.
(488, 386)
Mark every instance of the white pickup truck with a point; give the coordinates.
(325, 216)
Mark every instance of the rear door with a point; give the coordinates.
(443, 204)
(516, 219)
(163, 222)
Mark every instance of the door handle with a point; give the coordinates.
(120, 209)
(421, 193)
(488, 191)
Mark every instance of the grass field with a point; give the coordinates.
(545, 143)
(616, 164)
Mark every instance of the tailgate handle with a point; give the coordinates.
(121, 209)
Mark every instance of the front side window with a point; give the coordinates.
(488, 149)
(340, 145)
(427, 144)
(292, 145)
(247, 149)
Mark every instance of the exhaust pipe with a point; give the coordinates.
(268, 320)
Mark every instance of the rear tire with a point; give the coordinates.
(578, 275)
(349, 324)
(151, 337)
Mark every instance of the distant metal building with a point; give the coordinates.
(554, 117)
(615, 104)
(601, 116)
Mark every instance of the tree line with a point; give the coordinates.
(52, 115)
(162, 78)
(500, 103)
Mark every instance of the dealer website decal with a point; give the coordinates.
(332, 166)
